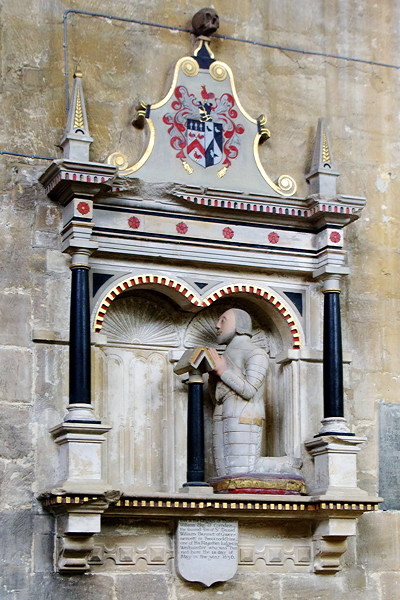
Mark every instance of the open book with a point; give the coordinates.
(195, 358)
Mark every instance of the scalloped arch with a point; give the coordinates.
(187, 293)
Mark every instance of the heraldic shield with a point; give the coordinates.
(204, 142)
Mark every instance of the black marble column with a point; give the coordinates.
(333, 356)
(195, 432)
(333, 422)
(79, 343)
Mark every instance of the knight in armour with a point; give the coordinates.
(238, 387)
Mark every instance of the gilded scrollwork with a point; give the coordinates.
(218, 71)
(190, 67)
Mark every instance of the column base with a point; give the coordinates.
(80, 412)
(334, 426)
(196, 488)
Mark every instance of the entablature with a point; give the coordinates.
(183, 505)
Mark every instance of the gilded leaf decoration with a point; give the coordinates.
(326, 156)
(78, 117)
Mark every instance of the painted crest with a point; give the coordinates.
(204, 128)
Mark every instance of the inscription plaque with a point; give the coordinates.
(389, 455)
(207, 550)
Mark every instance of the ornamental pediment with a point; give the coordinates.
(200, 134)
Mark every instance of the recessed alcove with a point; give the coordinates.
(138, 394)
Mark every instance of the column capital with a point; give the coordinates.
(80, 258)
(195, 376)
(331, 283)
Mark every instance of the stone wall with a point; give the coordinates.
(122, 62)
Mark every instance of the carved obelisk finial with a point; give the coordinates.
(322, 175)
(76, 139)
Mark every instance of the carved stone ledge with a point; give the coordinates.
(307, 355)
(209, 505)
(79, 518)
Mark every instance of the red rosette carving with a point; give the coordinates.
(335, 237)
(134, 223)
(83, 208)
(273, 237)
(182, 228)
(228, 233)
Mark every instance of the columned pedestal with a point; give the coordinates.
(80, 457)
(335, 464)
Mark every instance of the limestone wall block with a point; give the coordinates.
(56, 262)
(15, 374)
(53, 313)
(43, 585)
(389, 584)
(384, 529)
(43, 543)
(262, 587)
(15, 311)
(15, 549)
(48, 216)
(368, 388)
(16, 440)
(135, 586)
(16, 477)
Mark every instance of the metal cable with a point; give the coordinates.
(26, 155)
(224, 37)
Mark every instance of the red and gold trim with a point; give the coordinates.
(183, 289)
(266, 295)
(272, 208)
(172, 505)
(142, 280)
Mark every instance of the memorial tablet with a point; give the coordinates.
(207, 550)
(389, 455)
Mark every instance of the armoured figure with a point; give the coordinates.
(238, 385)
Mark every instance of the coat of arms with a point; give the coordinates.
(204, 128)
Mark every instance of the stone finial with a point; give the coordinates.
(205, 22)
(76, 139)
(322, 175)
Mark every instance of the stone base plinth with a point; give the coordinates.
(335, 465)
(259, 483)
(80, 457)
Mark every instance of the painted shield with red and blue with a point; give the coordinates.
(204, 142)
